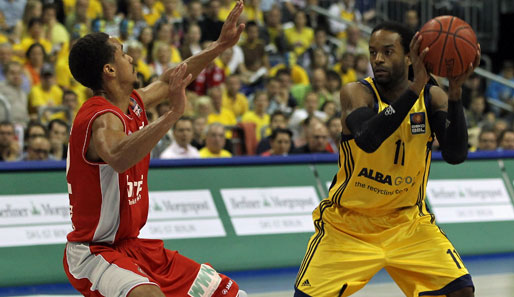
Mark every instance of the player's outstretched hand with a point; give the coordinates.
(231, 31)
(455, 83)
(421, 76)
(177, 88)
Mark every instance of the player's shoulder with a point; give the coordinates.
(438, 97)
(356, 91)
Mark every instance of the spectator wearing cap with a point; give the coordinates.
(11, 90)
(47, 94)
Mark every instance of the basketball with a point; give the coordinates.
(452, 45)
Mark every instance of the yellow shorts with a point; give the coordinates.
(348, 248)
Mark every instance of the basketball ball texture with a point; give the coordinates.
(452, 45)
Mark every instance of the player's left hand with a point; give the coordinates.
(456, 82)
(231, 31)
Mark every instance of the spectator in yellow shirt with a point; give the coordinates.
(214, 142)
(53, 30)
(35, 35)
(299, 37)
(232, 98)
(135, 50)
(47, 94)
(220, 114)
(258, 115)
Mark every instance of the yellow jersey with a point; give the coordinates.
(392, 177)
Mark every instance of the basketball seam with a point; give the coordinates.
(444, 45)
(458, 52)
(453, 34)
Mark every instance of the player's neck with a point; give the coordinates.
(392, 91)
(116, 95)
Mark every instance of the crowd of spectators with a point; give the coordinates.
(275, 93)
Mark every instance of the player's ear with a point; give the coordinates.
(108, 69)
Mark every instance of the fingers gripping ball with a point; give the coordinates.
(452, 45)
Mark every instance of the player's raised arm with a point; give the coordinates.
(230, 33)
(447, 118)
(110, 143)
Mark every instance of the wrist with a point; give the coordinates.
(454, 94)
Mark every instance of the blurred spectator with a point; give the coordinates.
(214, 142)
(258, 114)
(346, 10)
(334, 84)
(487, 140)
(32, 9)
(318, 85)
(211, 25)
(35, 36)
(161, 58)
(5, 58)
(362, 66)
(299, 37)
(109, 22)
(280, 98)
(412, 19)
(345, 68)
(500, 92)
(38, 149)
(220, 114)
(15, 9)
(132, 25)
(152, 10)
(194, 12)
(329, 108)
(225, 8)
(335, 128)
(473, 86)
(315, 19)
(181, 147)
(11, 90)
(172, 15)
(211, 76)
(253, 12)
(58, 132)
(233, 99)
(191, 44)
(475, 115)
(162, 108)
(354, 42)
(320, 42)
(146, 40)
(273, 35)
(499, 126)
(278, 119)
(70, 100)
(506, 140)
(53, 29)
(255, 57)
(289, 76)
(280, 141)
(36, 57)
(310, 110)
(199, 131)
(134, 49)
(77, 21)
(46, 94)
(9, 146)
(317, 140)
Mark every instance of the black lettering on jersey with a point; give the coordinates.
(378, 176)
(417, 123)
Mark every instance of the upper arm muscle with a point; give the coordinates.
(353, 96)
(107, 132)
(439, 100)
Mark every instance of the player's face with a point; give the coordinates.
(125, 70)
(387, 57)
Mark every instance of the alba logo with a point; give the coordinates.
(385, 178)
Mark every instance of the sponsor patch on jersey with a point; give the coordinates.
(135, 107)
(417, 123)
(206, 282)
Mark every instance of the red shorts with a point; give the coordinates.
(106, 270)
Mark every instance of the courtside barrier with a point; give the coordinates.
(241, 213)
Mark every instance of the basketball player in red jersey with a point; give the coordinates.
(107, 168)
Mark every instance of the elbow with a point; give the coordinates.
(455, 158)
(367, 145)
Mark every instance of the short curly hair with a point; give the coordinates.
(87, 58)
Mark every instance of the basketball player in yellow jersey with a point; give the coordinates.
(375, 216)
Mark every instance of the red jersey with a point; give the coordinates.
(106, 206)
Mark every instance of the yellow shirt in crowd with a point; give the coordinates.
(205, 153)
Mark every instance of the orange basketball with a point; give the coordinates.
(452, 45)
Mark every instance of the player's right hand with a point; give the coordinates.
(177, 88)
(421, 76)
